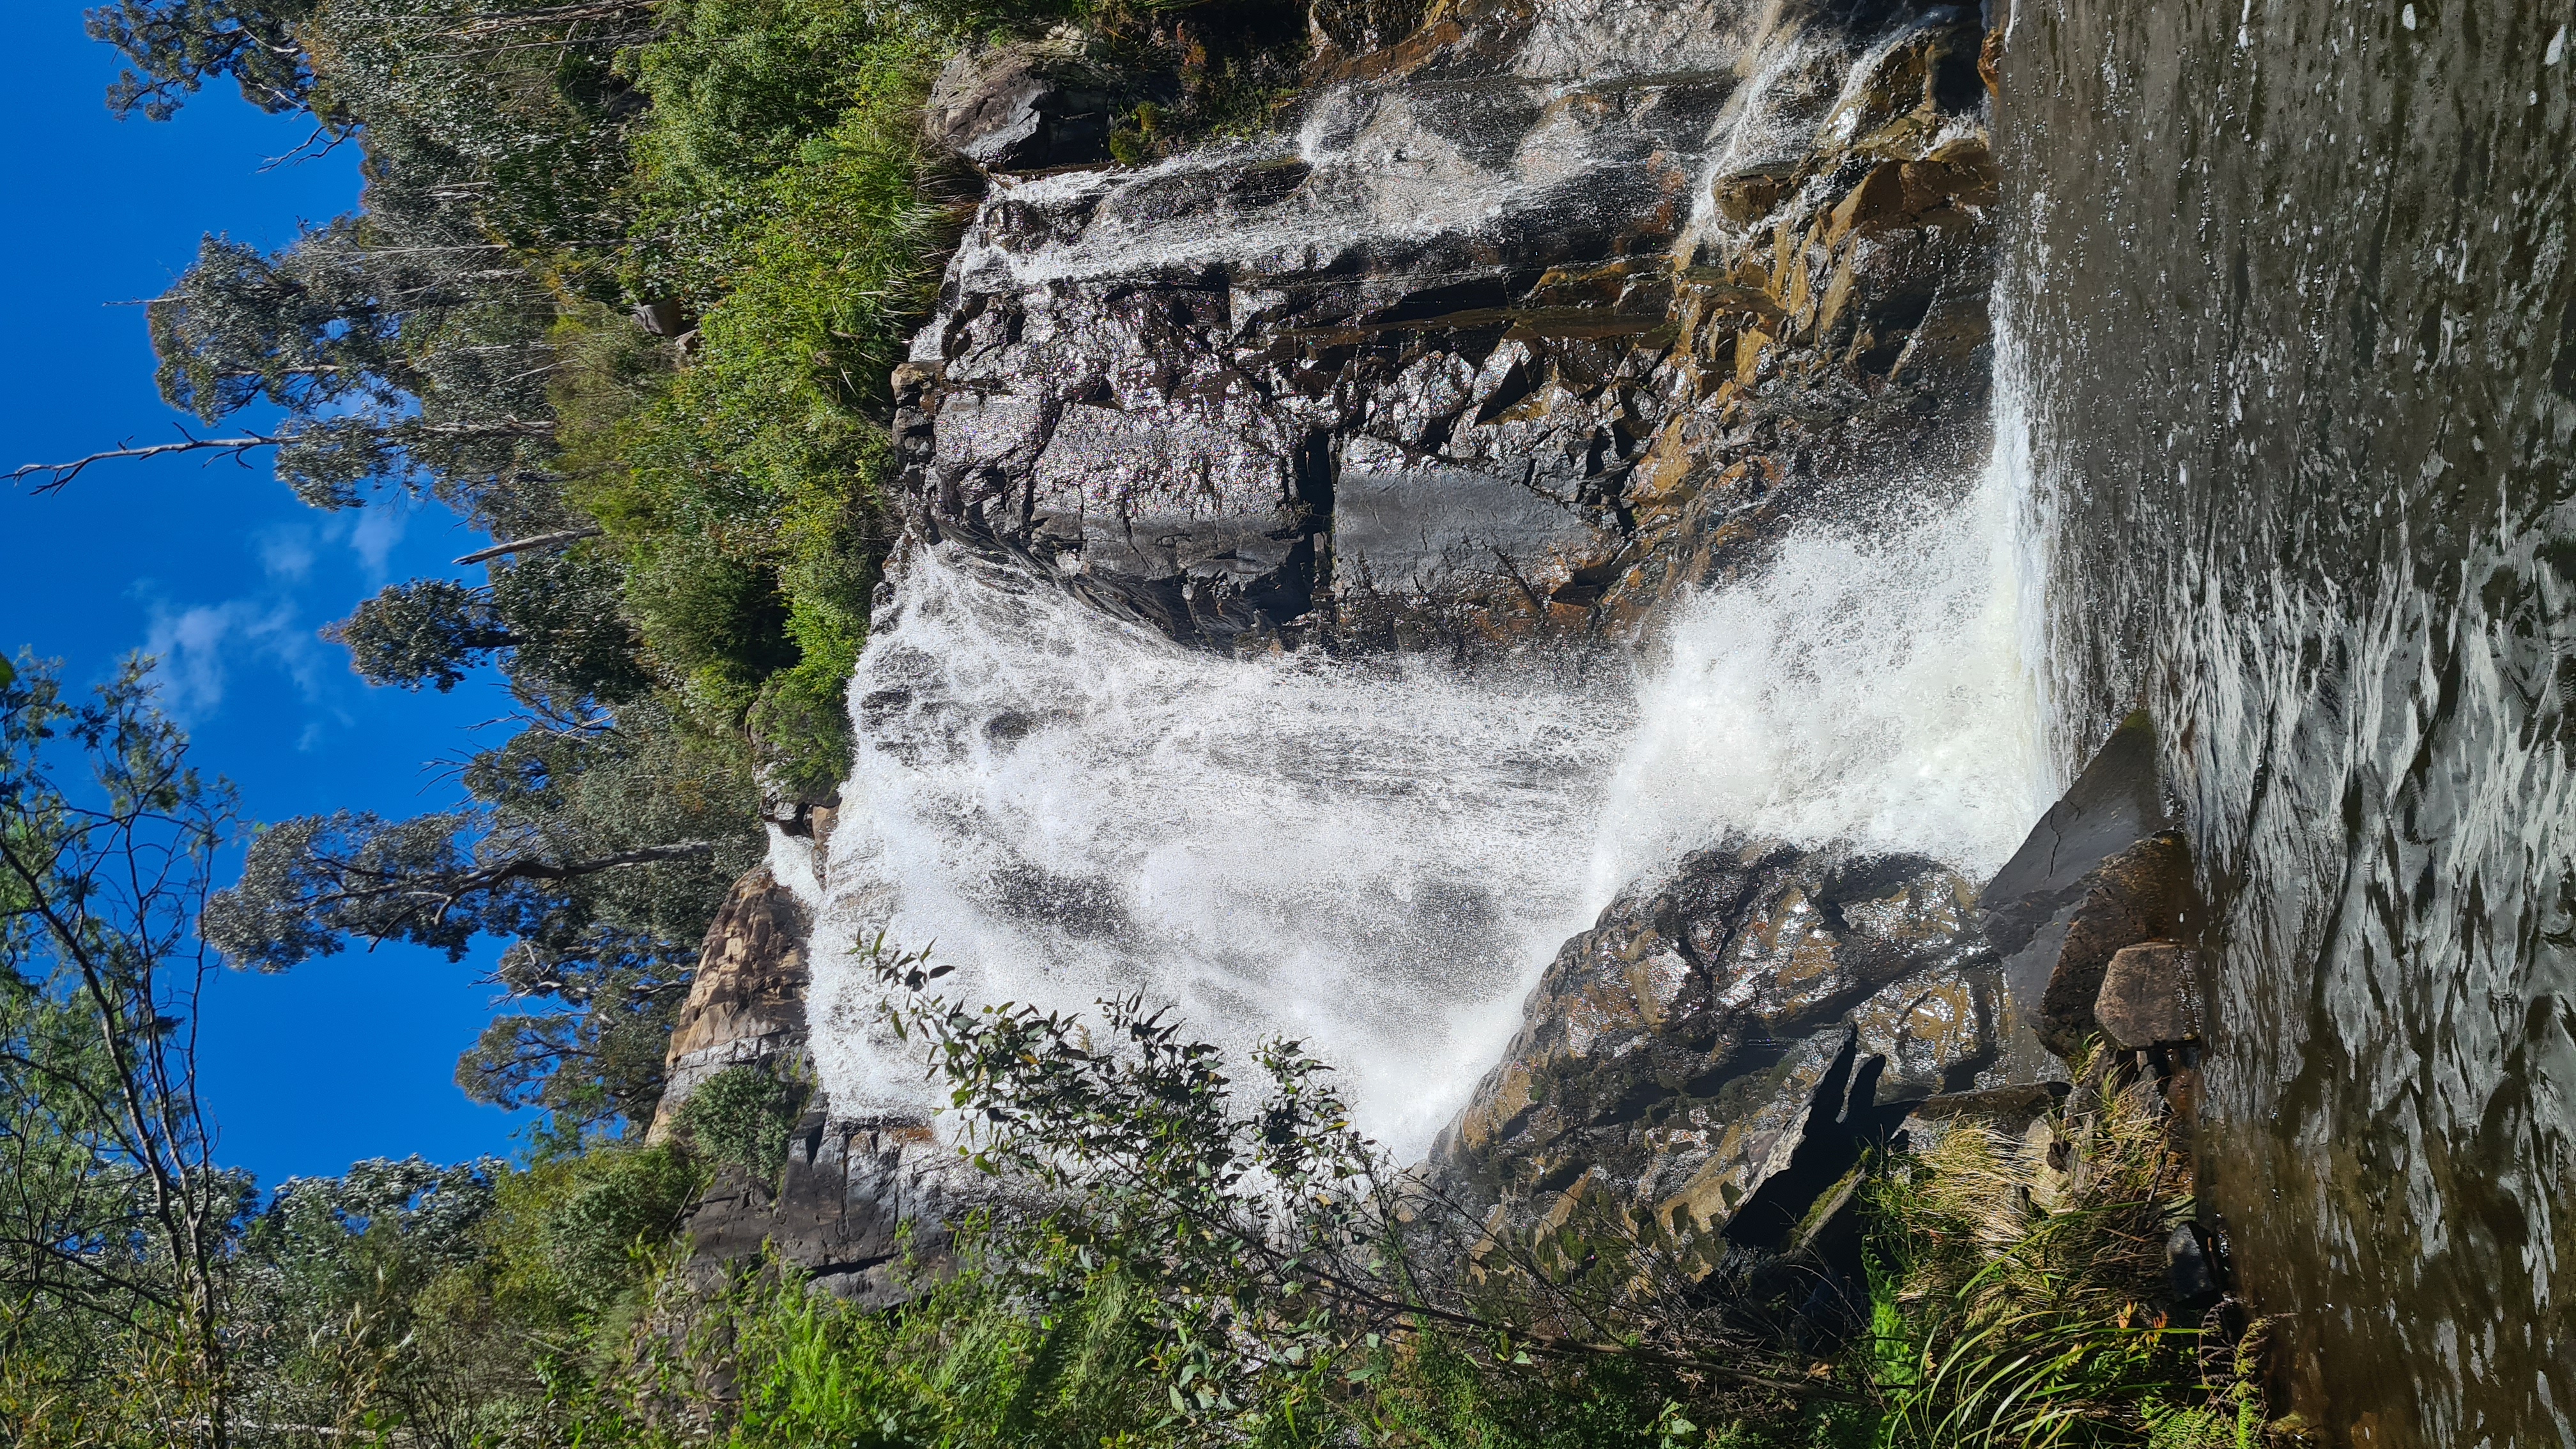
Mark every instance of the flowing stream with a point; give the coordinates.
(2297, 278)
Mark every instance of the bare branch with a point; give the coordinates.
(58, 474)
(557, 539)
(329, 136)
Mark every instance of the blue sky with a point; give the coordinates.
(222, 574)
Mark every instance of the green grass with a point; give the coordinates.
(2013, 1304)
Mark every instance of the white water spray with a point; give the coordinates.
(1872, 685)
(1366, 857)
(1378, 857)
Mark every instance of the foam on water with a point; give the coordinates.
(1366, 857)
(1874, 684)
(1377, 857)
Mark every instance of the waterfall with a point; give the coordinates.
(1377, 856)
(1368, 856)
(1877, 683)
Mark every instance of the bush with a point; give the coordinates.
(743, 1117)
(2024, 1304)
(712, 617)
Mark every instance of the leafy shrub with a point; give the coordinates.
(712, 617)
(743, 1116)
(594, 1223)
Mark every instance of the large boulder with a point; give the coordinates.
(1719, 1048)
(2141, 894)
(2104, 869)
(2150, 996)
(1021, 107)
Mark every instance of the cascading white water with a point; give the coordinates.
(1377, 857)
(1875, 684)
(1367, 857)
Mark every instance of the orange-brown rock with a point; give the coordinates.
(747, 1003)
(2150, 996)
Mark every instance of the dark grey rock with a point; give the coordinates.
(2191, 1274)
(1720, 1047)
(2149, 996)
(2118, 800)
(2030, 906)
(1020, 108)
(663, 317)
(1464, 365)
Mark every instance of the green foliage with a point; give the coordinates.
(458, 1305)
(426, 632)
(782, 184)
(970, 1362)
(176, 46)
(713, 618)
(588, 1227)
(1274, 1237)
(1041, 1333)
(115, 1215)
(600, 847)
(2016, 1303)
(742, 1117)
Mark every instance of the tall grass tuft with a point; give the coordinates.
(2019, 1292)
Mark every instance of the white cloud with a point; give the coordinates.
(375, 531)
(286, 553)
(196, 648)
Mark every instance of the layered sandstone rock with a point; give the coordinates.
(1549, 313)
(849, 1183)
(1716, 1052)
(747, 1003)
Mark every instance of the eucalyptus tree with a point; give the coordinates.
(115, 1220)
(552, 619)
(174, 47)
(596, 847)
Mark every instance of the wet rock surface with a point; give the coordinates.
(1718, 1050)
(1545, 313)
(2102, 870)
(2150, 996)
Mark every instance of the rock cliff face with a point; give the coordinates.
(1544, 313)
(849, 1183)
(747, 1003)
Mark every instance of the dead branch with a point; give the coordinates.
(533, 542)
(58, 474)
